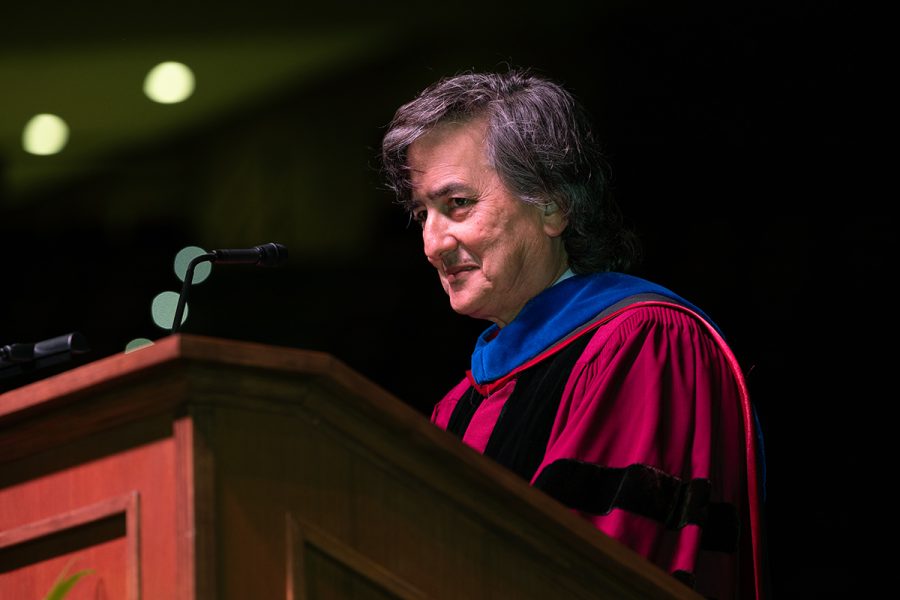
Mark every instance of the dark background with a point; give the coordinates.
(740, 139)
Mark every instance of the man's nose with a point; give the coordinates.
(437, 238)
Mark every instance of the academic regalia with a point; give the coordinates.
(622, 401)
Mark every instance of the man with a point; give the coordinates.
(610, 393)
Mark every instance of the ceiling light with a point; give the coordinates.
(169, 82)
(45, 134)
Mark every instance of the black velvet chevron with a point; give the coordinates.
(519, 438)
(645, 491)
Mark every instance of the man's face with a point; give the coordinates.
(492, 251)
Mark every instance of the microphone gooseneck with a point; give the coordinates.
(186, 288)
(264, 255)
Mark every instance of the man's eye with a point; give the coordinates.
(460, 202)
(419, 216)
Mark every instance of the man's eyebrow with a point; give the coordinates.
(450, 189)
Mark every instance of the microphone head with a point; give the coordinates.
(272, 254)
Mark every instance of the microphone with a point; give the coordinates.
(73, 342)
(14, 358)
(264, 255)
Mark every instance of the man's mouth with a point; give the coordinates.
(457, 272)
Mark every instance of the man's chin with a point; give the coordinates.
(461, 305)
(468, 308)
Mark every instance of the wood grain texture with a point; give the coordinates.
(304, 538)
(195, 507)
(126, 506)
(186, 583)
(75, 497)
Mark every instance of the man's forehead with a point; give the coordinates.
(447, 137)
(445, 160)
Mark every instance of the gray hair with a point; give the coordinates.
(540, 143)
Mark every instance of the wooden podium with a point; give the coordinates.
(205, 468)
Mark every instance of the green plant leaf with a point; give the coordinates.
(64, 584)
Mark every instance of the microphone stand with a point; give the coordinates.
(186, 287)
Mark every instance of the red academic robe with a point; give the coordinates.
(655, 390)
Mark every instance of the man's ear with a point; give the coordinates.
(554, 219)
